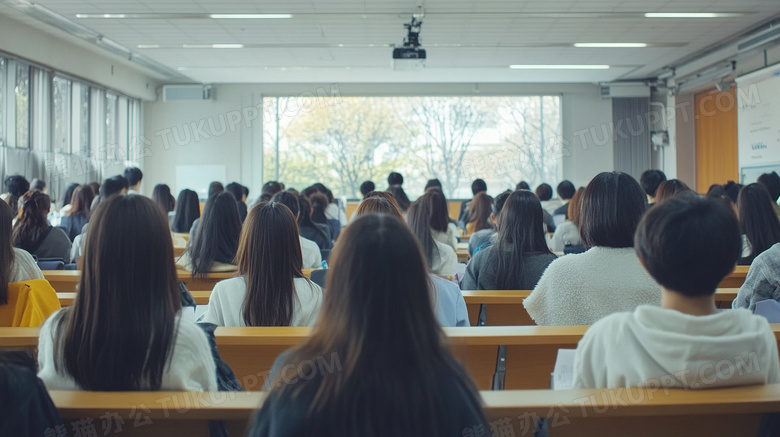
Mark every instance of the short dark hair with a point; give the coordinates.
(478, 186)
(732, 190)
(133, 175)
(522, 185)
(16, 186)
(498, 202)
(650, 180)
(40, 185)
(612, 205)
(565, 190)
(367, 187)
(771, 181)
(676, 245)
(433, 183)
(395, 178)
(214, 188)
(544, 192)
(112, 185)
(236, 189)
(289, 200)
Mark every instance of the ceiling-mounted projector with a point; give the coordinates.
(410, 56)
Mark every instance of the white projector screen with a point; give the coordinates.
(758, 123)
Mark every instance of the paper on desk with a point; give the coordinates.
(563, 374)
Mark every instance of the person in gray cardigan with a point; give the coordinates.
(520, 255)
(762, 281)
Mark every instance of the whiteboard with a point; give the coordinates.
(758, 123)
(198, 178)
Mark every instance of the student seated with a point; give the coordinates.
(271, 289)
(686, 342)
(762, 281)
(16, 264)
(15, 187)
(186, 212)
(33, 233)
(441, 258)
(566, 193)
(477, 186)
(670, 188)
(485, 237)
(771, 181)
(479, 213)
(443, 231)
(519, 256)
(650, 180)
(28, 411)
(317, 232)
(214, 241)
(124, 331)
(395, 182)
(758, 222)
(448, 300)
(578, 289)
(567, 234)
(395, 374)
(312, 257)
(74, 220)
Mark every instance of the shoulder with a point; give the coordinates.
(190, 336)
(23, 257)
(442, 285)
(303, 285)
(226, 285)
(58, 233)
(308, 244)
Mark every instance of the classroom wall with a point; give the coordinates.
(587, 127)
(76, 58)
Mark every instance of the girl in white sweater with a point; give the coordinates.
(271, 289)
(579, 289)
(124, 331)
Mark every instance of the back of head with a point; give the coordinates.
(133, 175)
(269, 189)
(318, 204)
(565, 190)
(161, 194)
(520, 232)
(575, 207)
(612, 205)
(6, 250)
(367, 187)
(380, 202)
(236, 189)
(478, 186)
(437, 208)
(400, 197)
(433, 183)
(120, 330)
(716, 190)
(732, 190)
(650, 180)
(418, 218)
(82, 201)
(269, 257)
(669, 189)
(523, 185)
(95, 188)
(289, 200)
(67, 194)
(215, 188)
(771, 181)
(757, 218)
(31, 224)
(395, 179)
(187, 210)
(677, 243)
(479, 211)
(355, 324)
(544, 192)
(16, 185)
(38, 184)
(113, 185)
(499, 202)
(216, 238)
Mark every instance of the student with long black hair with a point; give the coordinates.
(519, 256)
(316, 232)
(161, 194)
(124, 331)
(443, 230)
(395, 187)
(215, 241)
(374, 393)
(15, 264)
(270, 289)
(760, 226)
(311, 252)
(441, 258)
(74, 220)
(33, 233)
(187, 211)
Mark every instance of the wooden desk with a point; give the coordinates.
(639, 412)
(505, 307)
(463, 256)
(736, 278)
(201, 297)
(67, 280)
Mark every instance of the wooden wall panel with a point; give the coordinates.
(716, 139)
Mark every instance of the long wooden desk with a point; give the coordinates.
(529, 351)
(67, 280)
(638, 412)
(201, 297)
(505, 307)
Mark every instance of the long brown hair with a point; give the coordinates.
(372, 315)
(379, 202)
(479, 211)
(6, 250)
(269, 257)
(31, 225)
(121, 328)
(81, 201)
(575, 207)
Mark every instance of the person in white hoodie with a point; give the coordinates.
(685, 343)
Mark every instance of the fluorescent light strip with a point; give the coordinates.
(610, 44)
(693, 14)
(250, 16)
(559, 67)
(207, 46)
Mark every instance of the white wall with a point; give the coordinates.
(239, 149)
(75, 58)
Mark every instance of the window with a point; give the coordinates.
(80, 119)
(112, 132)
(135, 143)
(22, 95)
(343, 141)
(97, 135)
(62, 115)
